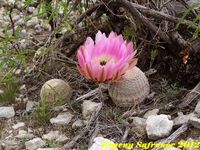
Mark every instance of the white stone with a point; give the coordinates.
(18, 125)
(153, 112)
(55, 92)
(23, 88)
(77, 124)
(99, 144)
(29, 106)
(88, 107)
(1, 91)
(197, 108)
(181, 119)
(172, 148)
(48, 149)
(31, 9)
(138, 122)
(32, 22)
(10, 2)
(22, 134)
(18, 72)
(62, 139)
(158, 126)
(10, 144)
(20, 22)
(34, 144)
(195, 122)
(52, 135)
(62, 119)
(138, 125)
(7, 112)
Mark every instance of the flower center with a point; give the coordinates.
(103, 62)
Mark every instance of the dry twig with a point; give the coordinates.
(86, 129)
(191, 96)
(173, 136)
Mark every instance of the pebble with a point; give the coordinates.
(158, 126)
(7, 112)
(18, 72)
(138, 122)
(49, 148)
(77, 124)
(31, 9)
(151, 112)
(62, 139)
(23, 88)
(88, 107)
(32, 22)
(181, 119)
(22, 134)
(18, 125)
(62, 119)
(52, 135)
(98, 142)
(34, 144)
(172, 148)
(138, 126)
(9, 145)
(197, 108)
(195, 122)
(29, 106)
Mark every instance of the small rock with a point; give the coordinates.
(49, 148)
(181, 119)
(77, 124)
(197, 108)
(31, 9)
(88, 107)
(23, 44)
(17, 72)
(24, 32)
(99, 144)
(20, 22)
(153, 112)
(32, 22)
(7, 112)
(62, 119)
(137, 121)
(52, 135)
(59, 108)
(195, 122)
(62, 139)
(10, 145)
(139, 125)
(55, 92)
(22, 88)
(172, 148)
(38, 28)
(18, 125)
(158, 126)
(29, 106)
(34, 144)
(1, 91)
(22, 134)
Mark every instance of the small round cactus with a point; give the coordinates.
(132, 90)
(55, 92)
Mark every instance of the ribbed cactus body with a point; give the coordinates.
(132, 90)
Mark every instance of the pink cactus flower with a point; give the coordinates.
(106, 59)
